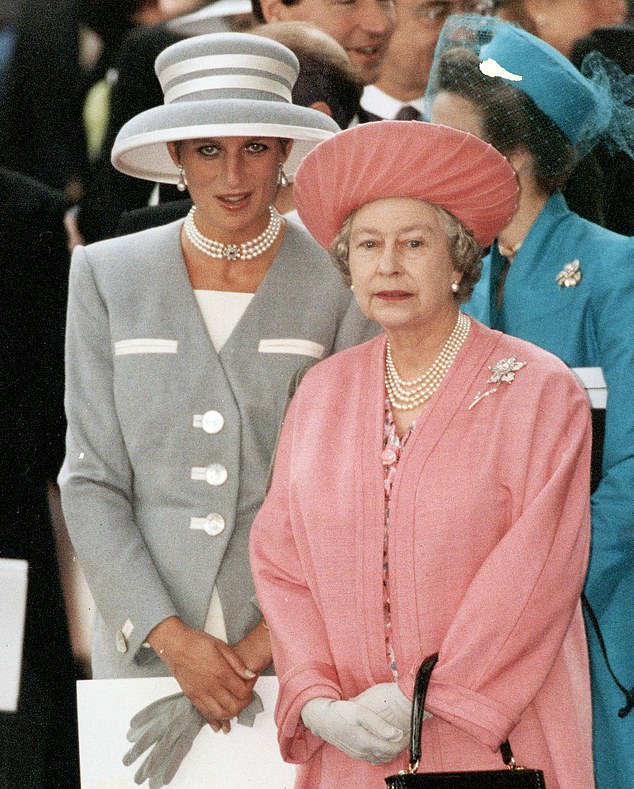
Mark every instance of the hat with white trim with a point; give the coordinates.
(219, 85)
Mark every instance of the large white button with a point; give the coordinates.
(213, 422)
(216, 474)
(215, 524)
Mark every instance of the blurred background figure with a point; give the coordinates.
(8, 13)
(61, 51)
(38, 743)
(362, 27)
(327, 81)
(561, 22)
(213, 17)
(565, 284)
(616, 168)
(399, 92)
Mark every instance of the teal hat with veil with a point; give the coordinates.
(587, 106)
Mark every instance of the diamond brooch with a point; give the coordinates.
(501, 372)
(570, 275)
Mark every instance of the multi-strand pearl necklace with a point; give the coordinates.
(247, 251)
(407, 395)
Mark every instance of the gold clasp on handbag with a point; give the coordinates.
(412, 769)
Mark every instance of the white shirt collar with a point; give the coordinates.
(385, 106)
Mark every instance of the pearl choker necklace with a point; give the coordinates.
(407, 395)
(247, 251)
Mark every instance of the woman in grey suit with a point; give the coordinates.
(181, 343)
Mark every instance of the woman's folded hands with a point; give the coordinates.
(374, 726)
(389, 702)
(211, 673)
(217, 681)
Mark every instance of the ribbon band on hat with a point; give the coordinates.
(241, 83)
(229, 62)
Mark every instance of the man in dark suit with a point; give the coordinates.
(38, 743)
(399, 92)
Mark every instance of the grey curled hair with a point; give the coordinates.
(465, 252)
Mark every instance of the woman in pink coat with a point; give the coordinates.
(430, 492)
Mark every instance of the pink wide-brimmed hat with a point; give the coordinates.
(436, 164)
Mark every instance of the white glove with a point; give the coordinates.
(354, 729)
(389, 702)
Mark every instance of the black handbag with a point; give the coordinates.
(511, 777)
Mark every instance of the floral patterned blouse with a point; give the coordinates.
(392, 448)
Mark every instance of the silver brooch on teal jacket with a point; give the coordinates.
(570, 275)
(501, 372)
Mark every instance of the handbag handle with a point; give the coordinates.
(418, 707)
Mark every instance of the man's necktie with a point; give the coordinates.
(407, 113)
(365, 116)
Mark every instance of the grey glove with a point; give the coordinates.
(171, 725)
(246, 717)
(354, 729)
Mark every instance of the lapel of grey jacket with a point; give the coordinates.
(272, 306)
(182, 312)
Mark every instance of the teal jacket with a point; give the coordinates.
(590, 323)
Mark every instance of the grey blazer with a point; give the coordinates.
(169, 443)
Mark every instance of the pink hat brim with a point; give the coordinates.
(426, 161)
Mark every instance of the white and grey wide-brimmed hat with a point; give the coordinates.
(219, 85)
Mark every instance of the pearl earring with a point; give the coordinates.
(454, 287)
(182, 181)
(282, 179)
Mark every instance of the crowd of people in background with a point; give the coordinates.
(81, 88)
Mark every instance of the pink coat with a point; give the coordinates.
(489, 538)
